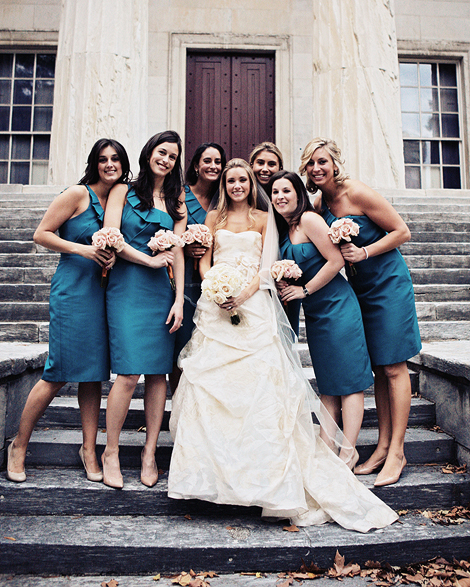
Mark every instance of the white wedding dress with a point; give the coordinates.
(242, 430)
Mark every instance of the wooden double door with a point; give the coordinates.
(229, 100)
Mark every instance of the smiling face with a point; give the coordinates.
(265, 165)
(109, 165)
(209, 167)
(321, 167)
(237, 184)
(284, 197)
(163, 159)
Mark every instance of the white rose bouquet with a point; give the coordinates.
(108, 237)
(164, 240)
(342, 230)
(197, 233)
(221, 282)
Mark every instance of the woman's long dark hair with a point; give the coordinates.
(173, 183)
(191, 175)
(303, 201)
(91, 171)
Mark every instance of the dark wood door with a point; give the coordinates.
(229, 100)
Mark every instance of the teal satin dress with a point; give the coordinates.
(335, 334)
(384, 289)
(192, 280)
(139, 299)
(78, 332)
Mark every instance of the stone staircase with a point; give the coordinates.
(57, 522)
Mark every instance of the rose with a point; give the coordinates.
(163, 240)
(198, 233)
(285, 268)
(221, 282)
(108, 237)
(343, 229)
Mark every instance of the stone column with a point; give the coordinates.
(101, 82)
(356, 88)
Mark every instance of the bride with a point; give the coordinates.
(241, 419)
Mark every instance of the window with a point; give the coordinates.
(431, 125)
(26, 97)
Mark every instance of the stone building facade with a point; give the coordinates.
(388, 79)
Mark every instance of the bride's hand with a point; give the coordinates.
(234, 303)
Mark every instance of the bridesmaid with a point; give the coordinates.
(201, 192)
(265, 160)
(78, 334)
(385, 292)
(335, 333)
(143, 311)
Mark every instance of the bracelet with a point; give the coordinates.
(305, 291)
(366, 252)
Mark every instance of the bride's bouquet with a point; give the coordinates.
(164, 240)
(342, 230)
(108, 237)
(197, 233)
(221, 282)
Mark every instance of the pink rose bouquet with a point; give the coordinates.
(221, 282)
(286, 269)
(197, 233)
(342, 230)
(108, 237)
(164, 240)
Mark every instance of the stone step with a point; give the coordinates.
(59, 448)
(448, 330)
(21, 311)
(433, 226)
(30, 275)
(440, 311)
(437, 261)
(63, 412)
(28, 332)
(63, 492)
(433, 248)
(441, 293)
(447, 208)
(38, 260)
(430, 215)
(38, 292)
(435, 237)
(167, 544)
(16, 234)
(440, 276)
(22, 247)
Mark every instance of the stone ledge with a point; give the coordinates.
(17, 357)
(451, 357)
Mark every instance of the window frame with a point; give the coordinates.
(31, 133)
(444, 52)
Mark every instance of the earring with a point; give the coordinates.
(336, 172)
(197, 172)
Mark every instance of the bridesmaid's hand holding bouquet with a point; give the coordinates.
(286, 270)
(199, 234)
(164, 240)
(109, 238)
(342, 230)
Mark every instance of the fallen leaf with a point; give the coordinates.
(285, 583)
(188, 517)
(292, 528)
(10, 538)
(157, 577)
(112, 583)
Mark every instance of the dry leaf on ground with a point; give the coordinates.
(292, 528)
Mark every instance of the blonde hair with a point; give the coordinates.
(223, 204)
(271, 148)
(335, 153)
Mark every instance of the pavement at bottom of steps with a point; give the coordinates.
(264, 580)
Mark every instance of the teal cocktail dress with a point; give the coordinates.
(384, 289)
(78, 333)
(192, 280)
(139, 299)
(335, 333)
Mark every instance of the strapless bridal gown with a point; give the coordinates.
(242, 430)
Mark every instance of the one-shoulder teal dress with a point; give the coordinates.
(138, 300)
(78, 333)
(192, 280)
(384, 289)
(335, 333)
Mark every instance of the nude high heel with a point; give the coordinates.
(367, 470)
(116, 482)
(11, 475)
(96, 477)
(390, 480)
(148, 480)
